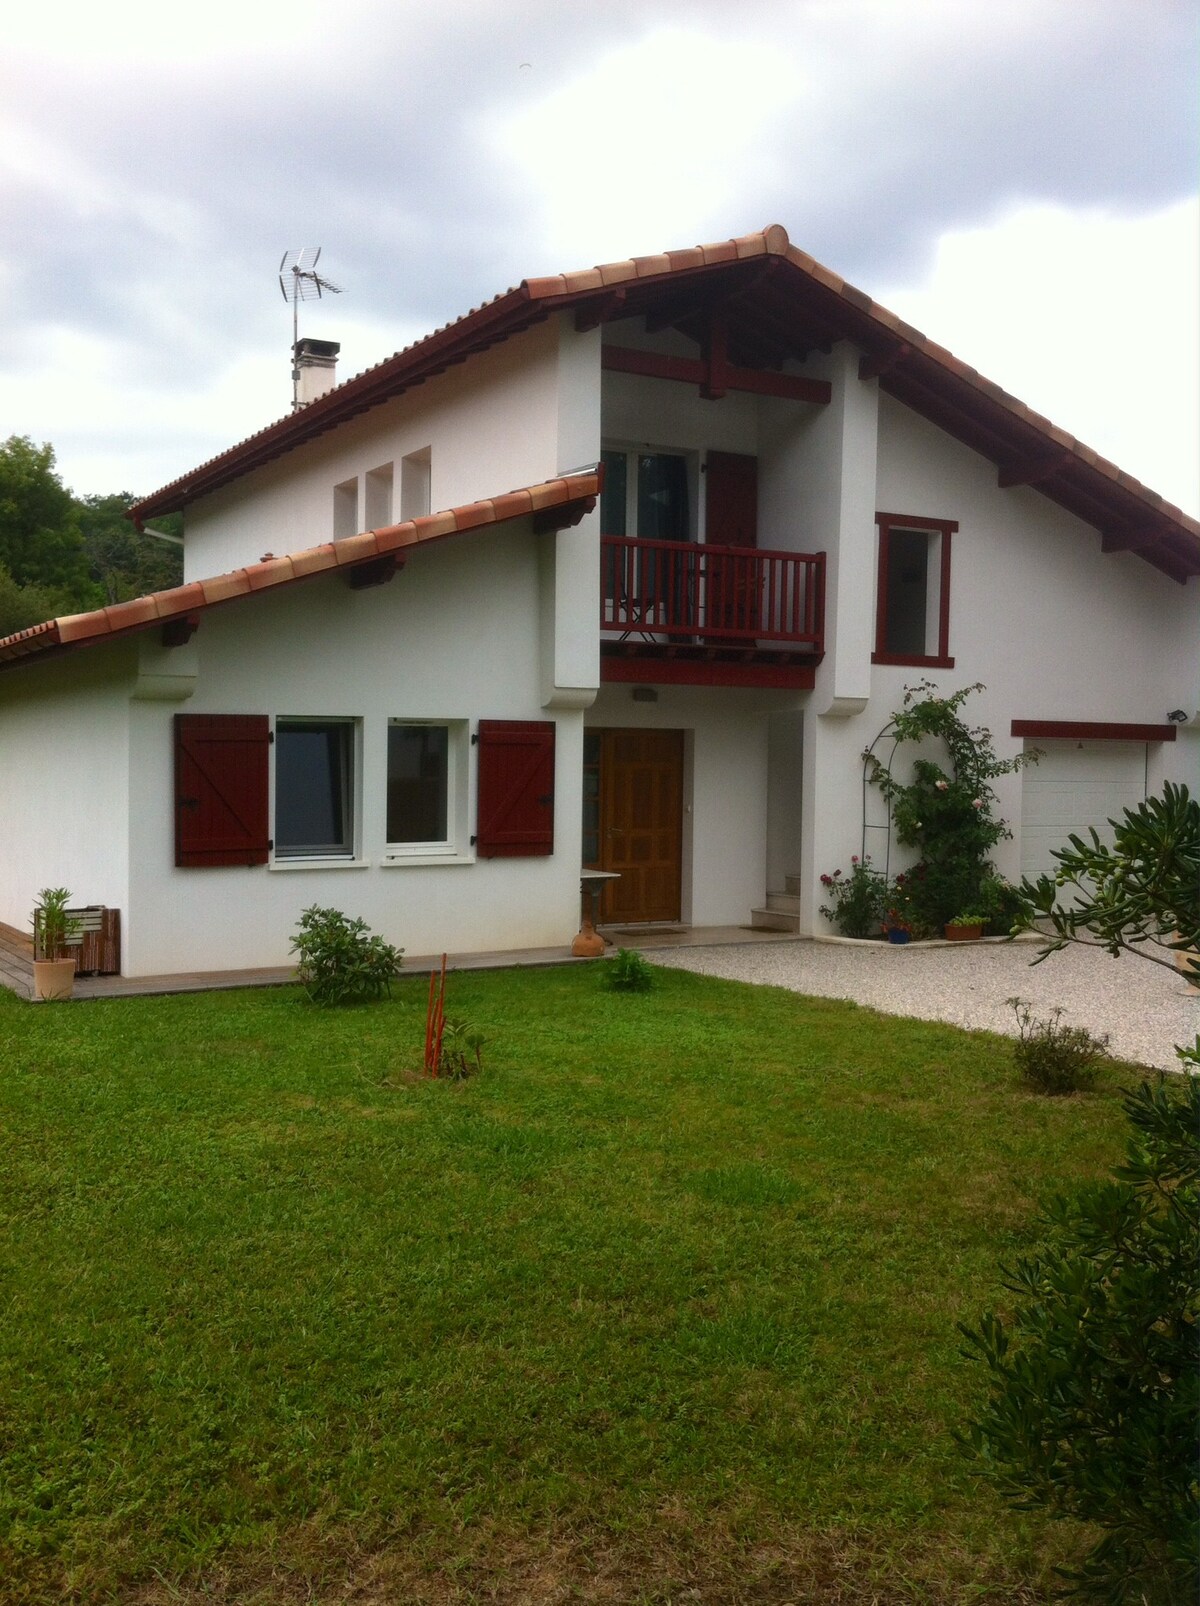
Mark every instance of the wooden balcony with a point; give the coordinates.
(676, 612)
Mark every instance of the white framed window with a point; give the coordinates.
(316, 789)
(912, 594)
(648, 493)
(427, 763)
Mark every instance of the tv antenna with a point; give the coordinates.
(299, 281)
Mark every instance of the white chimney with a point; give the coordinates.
(314, 369)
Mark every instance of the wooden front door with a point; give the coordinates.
(634, 786)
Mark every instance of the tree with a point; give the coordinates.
(1142, 895)
(122, 562)
(40, 540)
(1095, 1374)
(22, 606)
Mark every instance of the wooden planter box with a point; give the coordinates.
(96, 945)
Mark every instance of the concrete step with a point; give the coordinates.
(787, 903)
(792, 883)
(769, 919)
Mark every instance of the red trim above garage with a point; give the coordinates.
(1086, 730)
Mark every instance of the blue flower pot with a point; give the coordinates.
(894, 934)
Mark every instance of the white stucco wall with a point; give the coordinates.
(1055, 629)
(64, 780)
(491, 425)
(570, 559)
(449, 638)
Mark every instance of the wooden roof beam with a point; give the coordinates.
(601, 309)
(1131, 537)
(695, 371)
(1031, 470)
(872, 364)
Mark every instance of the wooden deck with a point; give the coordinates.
(16, 962)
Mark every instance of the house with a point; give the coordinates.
(751, 506)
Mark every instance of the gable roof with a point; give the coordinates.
(552, 505)
(779, 303)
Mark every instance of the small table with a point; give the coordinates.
(589, 944)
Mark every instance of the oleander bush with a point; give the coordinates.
(1095, 1369)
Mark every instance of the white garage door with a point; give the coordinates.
(1075, 785)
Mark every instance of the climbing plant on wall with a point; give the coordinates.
(947, 810)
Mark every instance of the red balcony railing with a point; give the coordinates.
(720, 595)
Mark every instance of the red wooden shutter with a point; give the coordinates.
(516, 789)
(221, 768)
(731, 500)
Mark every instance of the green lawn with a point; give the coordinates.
(666, 1300)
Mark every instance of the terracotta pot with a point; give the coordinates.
(964, 933)
(1187, 962)
(53, 978)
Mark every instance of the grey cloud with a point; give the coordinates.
(374, 147)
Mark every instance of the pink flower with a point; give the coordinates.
(976, 802)
(854, 858)
(942, 786)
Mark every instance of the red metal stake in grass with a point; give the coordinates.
(435, 1021)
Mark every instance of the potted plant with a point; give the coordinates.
(898, 918)
(53, 972)
(967, 927)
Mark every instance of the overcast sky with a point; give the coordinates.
(1018, 178)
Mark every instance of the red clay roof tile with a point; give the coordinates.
(961, 391)
(84, 629)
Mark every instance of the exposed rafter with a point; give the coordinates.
(1030, 470)
(874, 364)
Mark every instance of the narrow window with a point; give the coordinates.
(612, 497)
(591, 799)
(415, 481)
(345, 509)
(420, 786)
(314, 763)
(912, 619)
(378, 498)
(662, 497)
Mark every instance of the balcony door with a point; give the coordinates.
(633, 821)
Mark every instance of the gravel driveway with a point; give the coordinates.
(1144, 1009)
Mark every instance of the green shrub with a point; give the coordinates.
(52, 926)
(1052, 1057)
(628, 972)
(340, 961)
(460, 1050)
(1095, 1376)
(856, 902)
(1002, 906)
